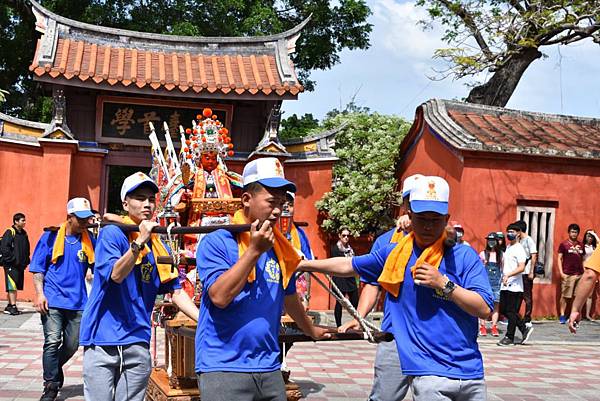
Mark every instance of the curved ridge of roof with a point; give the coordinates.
(25, 123)
(170, 38)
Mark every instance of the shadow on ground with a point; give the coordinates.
(70, 391)
(309, 387)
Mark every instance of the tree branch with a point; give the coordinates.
(467, 18)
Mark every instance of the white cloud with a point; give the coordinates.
(397, 26)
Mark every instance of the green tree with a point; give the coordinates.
(334, 26)
(504, 37)
(294, 127)
(364, 191)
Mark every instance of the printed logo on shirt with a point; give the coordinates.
(82, 257)
(146, 269)
(273, 271)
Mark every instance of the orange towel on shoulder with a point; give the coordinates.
(395, 264)
(58, 249)
(287, 256)
(165, 272)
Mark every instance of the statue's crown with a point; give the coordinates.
(207, 135)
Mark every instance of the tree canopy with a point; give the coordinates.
(504, 37)
(334, 26)
(364, 179)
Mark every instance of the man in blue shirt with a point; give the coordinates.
(59, 265)
(440, 292)
(247, 279)
(115, 327)
(389, 384)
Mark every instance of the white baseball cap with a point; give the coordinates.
(409, 183)
(134, 181)
(80, 207)
(430, 194)
(267, 171)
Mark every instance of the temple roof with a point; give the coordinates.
(474, 127)
(75, 53)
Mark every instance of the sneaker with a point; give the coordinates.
(503, 321)
(527, 334)
(482, 331)
(506, 341)
(528, 324)
(495, 331)
(50, 392)
(14, 311)
(562, 319)
(8, 310)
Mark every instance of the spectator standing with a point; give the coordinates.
(14, 249)
(491, 257)
(511, 290)
(570, 266)
(528, 274)
(585, 287)
(501, 240)
(590, 242)
(347, 285)
(59, 264)
(460, 233)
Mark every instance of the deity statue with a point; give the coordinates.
(210, 201)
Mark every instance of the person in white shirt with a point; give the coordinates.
(511, 290)
(531, 253)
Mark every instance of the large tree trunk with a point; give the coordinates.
(500, 87)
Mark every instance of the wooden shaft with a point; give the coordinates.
(351, 335)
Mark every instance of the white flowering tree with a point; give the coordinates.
(364, 191)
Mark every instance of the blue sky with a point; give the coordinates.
(391, 77)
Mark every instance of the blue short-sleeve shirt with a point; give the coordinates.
(434, 336)
(119, 314)
(382, 241)
(242, 337)
(64, 281)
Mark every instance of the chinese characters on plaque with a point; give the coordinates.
(130, 121)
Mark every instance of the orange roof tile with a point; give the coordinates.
(476, 127)
(165, 70)
(94, 55)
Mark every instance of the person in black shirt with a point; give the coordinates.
(347, 285)
(14, 249)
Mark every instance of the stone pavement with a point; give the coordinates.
(556, 366)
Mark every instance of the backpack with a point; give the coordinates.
(13, 232)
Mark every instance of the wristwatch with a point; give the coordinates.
(448, 288)
(135, 247)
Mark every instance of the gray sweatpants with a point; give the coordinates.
(436, 388)
(116, 373)
(234, 386)
(389, 383)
